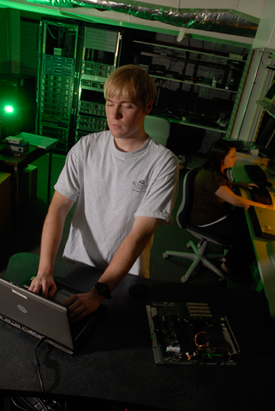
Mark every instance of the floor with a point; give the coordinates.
(33, 403)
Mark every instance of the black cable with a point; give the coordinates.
(17, 405)
(45, 408)
(37, 366)
(31, 404)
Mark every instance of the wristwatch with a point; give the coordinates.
(103, 290)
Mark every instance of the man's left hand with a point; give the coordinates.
(80, 305)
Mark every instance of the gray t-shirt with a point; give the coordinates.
(110, 189)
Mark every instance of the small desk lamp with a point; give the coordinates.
(5, 112)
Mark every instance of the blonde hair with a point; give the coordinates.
(131, 81)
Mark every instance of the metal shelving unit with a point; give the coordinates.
(100, 56)
(196, 88)
(268, 107)
(75, 61)
(57, 81)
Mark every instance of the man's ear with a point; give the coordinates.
(149, 107)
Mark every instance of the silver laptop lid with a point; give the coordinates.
(35, 313)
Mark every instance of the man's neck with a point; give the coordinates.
(128, 145)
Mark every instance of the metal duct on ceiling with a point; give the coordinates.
(215, 20)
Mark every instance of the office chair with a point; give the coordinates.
(183, 220)
(158, 128)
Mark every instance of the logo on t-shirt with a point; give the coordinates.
(140, 186)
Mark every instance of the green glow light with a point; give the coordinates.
(9, 109)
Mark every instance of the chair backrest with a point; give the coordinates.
(157, 128)
(183, 214)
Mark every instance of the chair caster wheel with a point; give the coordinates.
(184, 279)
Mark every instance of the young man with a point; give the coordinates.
(124, 185)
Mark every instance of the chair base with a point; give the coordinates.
(197, 257)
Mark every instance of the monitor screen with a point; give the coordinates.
(270, 94)
(268, 137)
(265, 139)
(271, 154)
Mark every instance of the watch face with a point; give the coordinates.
(103, 290)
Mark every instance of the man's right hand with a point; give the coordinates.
(43, 285)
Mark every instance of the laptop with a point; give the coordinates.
(45, 318)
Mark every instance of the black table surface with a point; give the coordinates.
(115, 364)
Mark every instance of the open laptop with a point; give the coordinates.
(42, 317)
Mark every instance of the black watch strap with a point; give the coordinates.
(103, 290)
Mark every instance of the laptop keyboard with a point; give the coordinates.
(61, 295)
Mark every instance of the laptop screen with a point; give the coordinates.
(34, 314)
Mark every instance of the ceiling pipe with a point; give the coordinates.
(214, 21)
